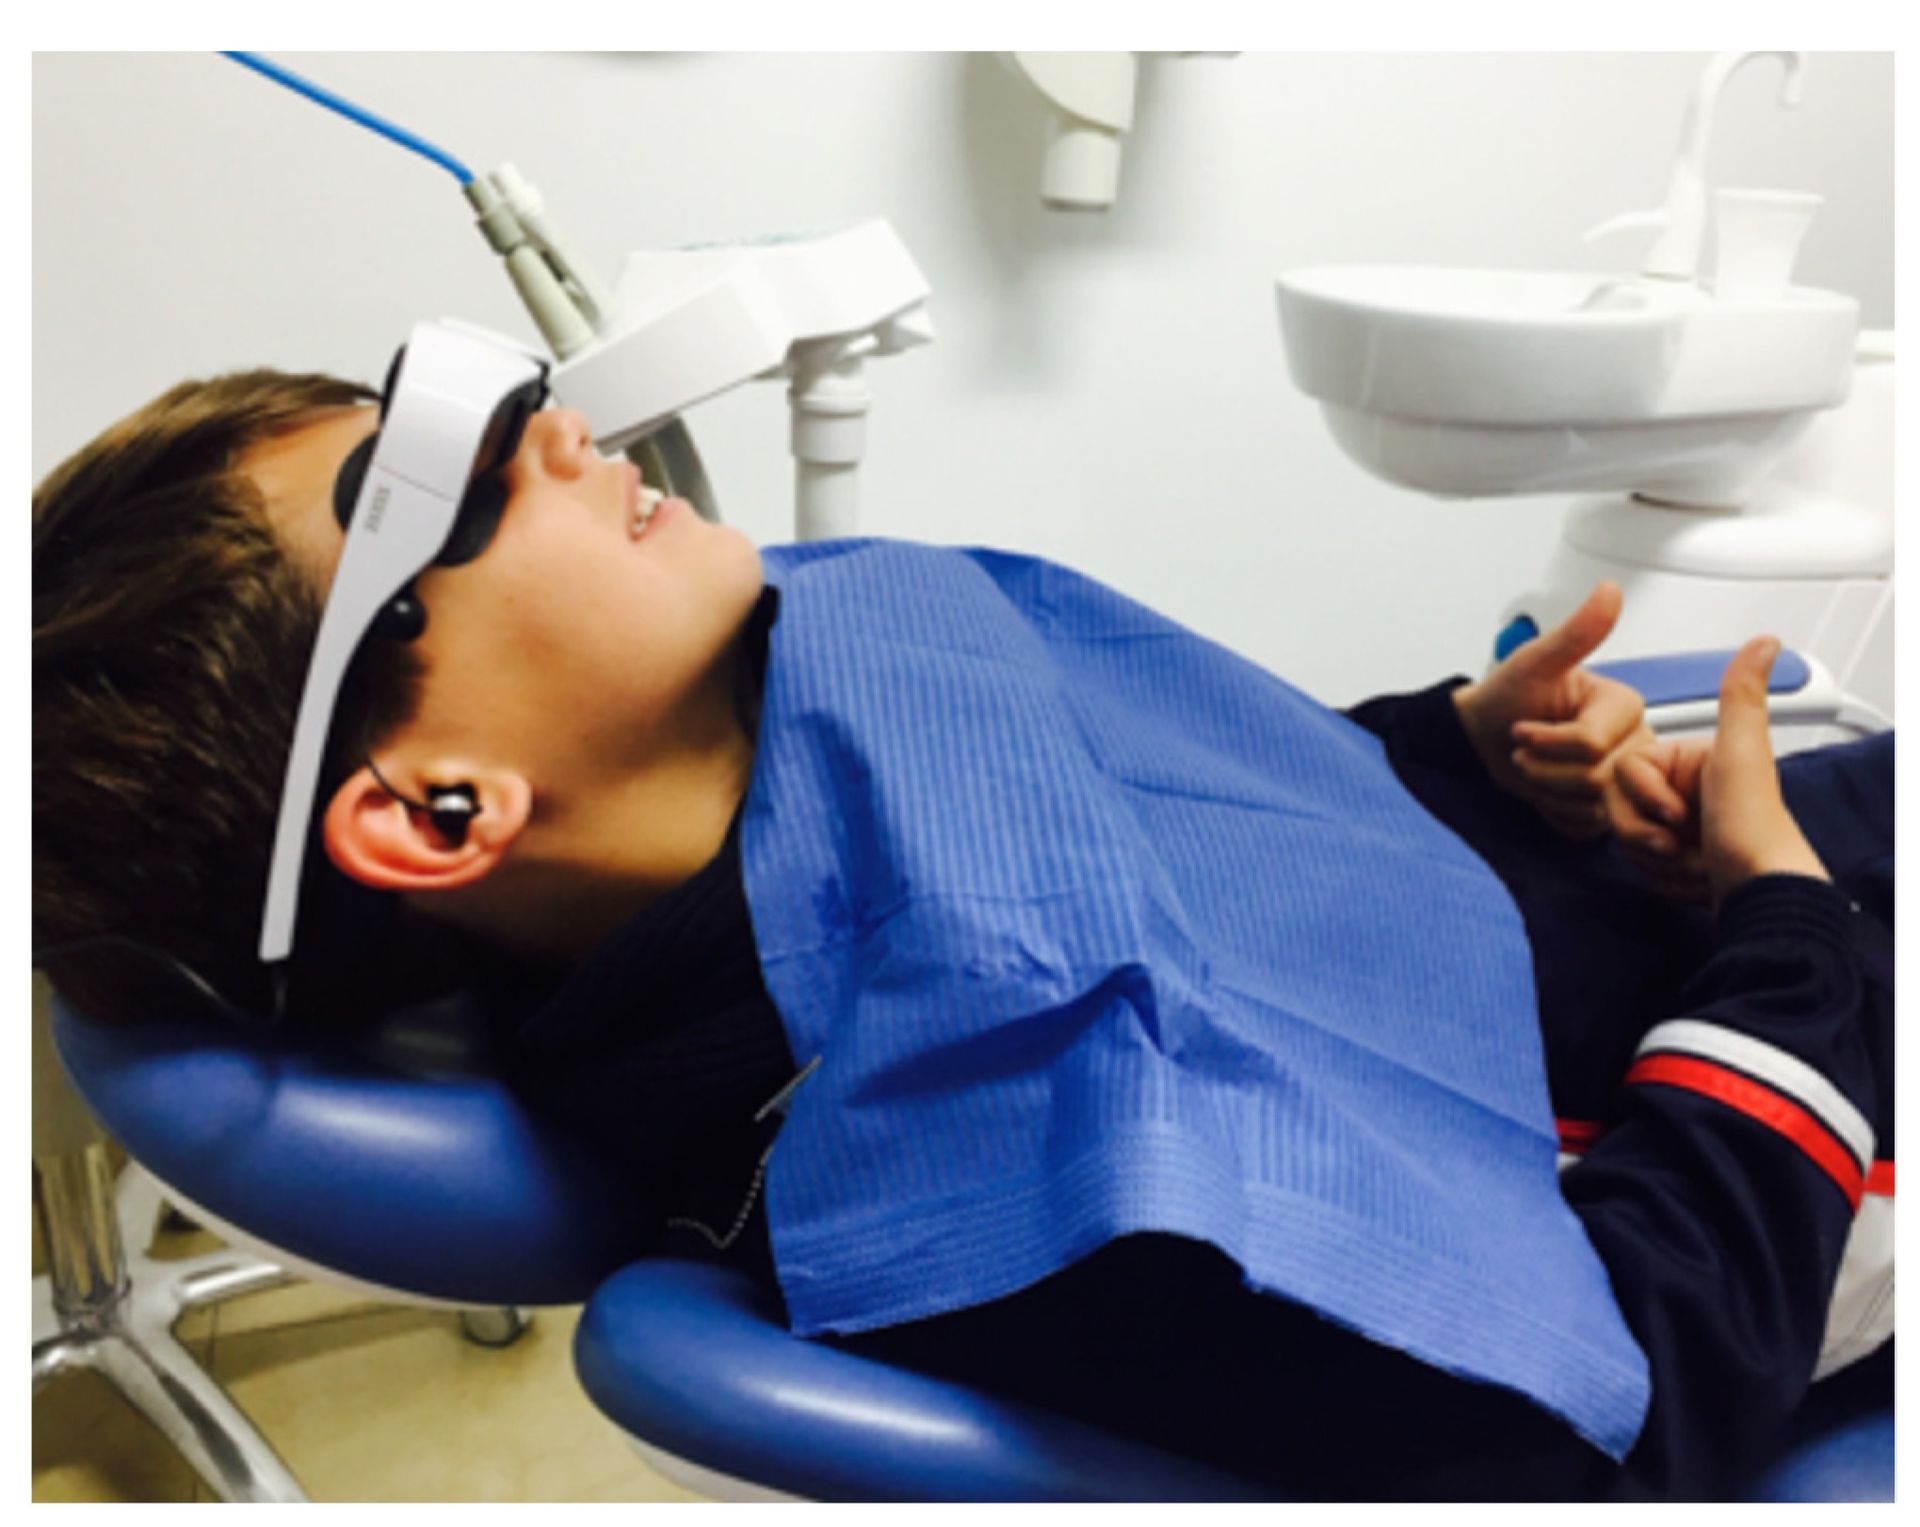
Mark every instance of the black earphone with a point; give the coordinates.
(451, 808)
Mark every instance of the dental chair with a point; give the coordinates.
(397, 1160)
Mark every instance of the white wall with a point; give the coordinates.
(1108, 390)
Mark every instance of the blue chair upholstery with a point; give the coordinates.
(1853, 1462)
(392, 1157)
(693, 1357)
(1677, 677)
(397, 1158)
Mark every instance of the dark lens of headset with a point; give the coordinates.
(486, 496)
(352, 474)
(353, 471)
(510, 421)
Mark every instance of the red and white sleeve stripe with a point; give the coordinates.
(1767, 1084)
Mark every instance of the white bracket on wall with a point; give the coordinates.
(1091, 95)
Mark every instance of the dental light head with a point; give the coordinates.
(425, 489)
(690, 324)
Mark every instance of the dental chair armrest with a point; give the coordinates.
(1682, 692)
(694, 1361)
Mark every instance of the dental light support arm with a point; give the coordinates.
(829, 397)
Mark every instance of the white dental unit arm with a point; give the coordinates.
(1091, 97)
(684, 325)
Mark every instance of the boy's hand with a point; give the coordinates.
(1703, 816)
(1653, 808)
(1548, 731)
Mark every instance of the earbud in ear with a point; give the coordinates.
(451, 808)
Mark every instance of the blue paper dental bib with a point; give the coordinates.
(1096, 928)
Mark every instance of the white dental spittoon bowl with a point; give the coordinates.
(1474, 383)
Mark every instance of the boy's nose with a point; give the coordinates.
(562, 437)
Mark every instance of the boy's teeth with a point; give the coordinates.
(649, 501)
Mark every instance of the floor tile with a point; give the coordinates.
(90, 1445)
(394, 1404)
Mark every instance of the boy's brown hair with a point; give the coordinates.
(171, 635)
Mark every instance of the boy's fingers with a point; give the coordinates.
(1573, 781)
(1635, 828)
(1646, 785)
(1567, 645)
(1558, 740)
(1741, 741)
(1686, 766)
(1569, 741)
(1644, 835)
(1609, 713)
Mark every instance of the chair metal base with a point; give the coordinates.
(107, 1305)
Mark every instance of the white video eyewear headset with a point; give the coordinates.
(426, 489)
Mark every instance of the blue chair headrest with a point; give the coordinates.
(395, 1155)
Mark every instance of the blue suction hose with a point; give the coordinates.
(354, 113)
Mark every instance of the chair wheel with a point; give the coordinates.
(494, 1328)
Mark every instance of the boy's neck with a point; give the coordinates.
(597, 860)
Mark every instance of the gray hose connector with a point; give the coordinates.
(561, 324)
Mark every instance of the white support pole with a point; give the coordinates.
(829, 397)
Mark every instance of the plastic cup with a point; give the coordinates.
(1758, 236)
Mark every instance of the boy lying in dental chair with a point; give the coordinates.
(1281, 1196)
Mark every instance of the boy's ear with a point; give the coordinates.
(381, 841)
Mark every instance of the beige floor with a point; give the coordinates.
(363, 1401)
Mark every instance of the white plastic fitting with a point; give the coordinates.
(1757, 237)
(1675, 255)
(589, 292)
(1092, 99)
(550, 287)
